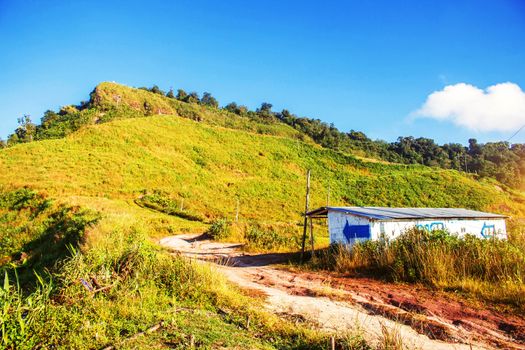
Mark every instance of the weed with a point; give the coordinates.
(390, 339)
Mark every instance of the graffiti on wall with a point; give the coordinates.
(431, 226)
(488, 230)
(351, 232)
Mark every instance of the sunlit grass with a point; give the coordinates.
(211, 169)
(489, 270)
(116, 283)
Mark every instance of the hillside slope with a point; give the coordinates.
(210, 167)
(191, 159)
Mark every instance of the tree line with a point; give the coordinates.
(500, 160)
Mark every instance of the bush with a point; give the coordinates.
(257, 236)
(271, 237)
(219, 229)
(187, 112)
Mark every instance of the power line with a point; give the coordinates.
(516, 133)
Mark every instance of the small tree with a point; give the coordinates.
(25, 132)
(69, 109)
(156, 90)
(265, 107)
(13, 139)
(170, 94)
(181, 95)
(231, 107)
(286, 117)
(49, 118)
(209, 100)
(3, 144)
(265, 111)
(193, 97)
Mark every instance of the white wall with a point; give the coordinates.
(478, 227)
(391, 229)
(337, 222)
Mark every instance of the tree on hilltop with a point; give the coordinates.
(193, 97)
(49, 118)
(265, 107)
(208, 100)
(231, 107)
(265, 111)
(25, 132)
(181, 95)
(156, 90)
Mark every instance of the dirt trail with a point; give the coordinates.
(424, 319)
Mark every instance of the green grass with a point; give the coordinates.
(211, 168)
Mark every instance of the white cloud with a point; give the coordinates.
(499, 107)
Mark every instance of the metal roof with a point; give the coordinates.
(383, 213)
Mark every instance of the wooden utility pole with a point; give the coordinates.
(237, 211)
(306, 211)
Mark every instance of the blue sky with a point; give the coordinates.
(363, 65)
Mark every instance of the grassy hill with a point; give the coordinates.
(133, 165)
(219, 158)
(209, 163)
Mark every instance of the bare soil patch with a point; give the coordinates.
(424, 318)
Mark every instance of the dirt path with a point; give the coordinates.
(424, 319)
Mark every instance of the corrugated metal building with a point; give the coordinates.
(348, 225)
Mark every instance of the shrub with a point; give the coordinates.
(187, 112)
(219, 229)
(271, 237)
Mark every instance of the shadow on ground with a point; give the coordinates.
(224, 254)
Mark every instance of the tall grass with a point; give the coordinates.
(492, 269)
(19, 314)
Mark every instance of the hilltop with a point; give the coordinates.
(108, 101)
